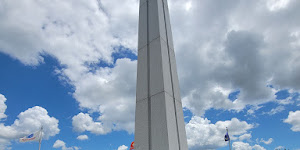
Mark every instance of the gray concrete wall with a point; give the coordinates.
(159, 123)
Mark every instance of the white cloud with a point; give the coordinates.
(83, 122)
(275, 5)
(246, 136)
(238, 77)
(253, 109)
(258, 147)
(82, 137)
(241, 146)
(2, 107)
(4, 144)
(294, 120)
(286, 101)
(79, 40)
(35, 117)
(202, 134)
(123, 20)
(59, 143)
(28, 122)
(122, 147)
(217, 51)
(267, 142)
(214, 54)
(111, 92)
(246, 146)
(276, 110)
(54, 29)
(62, 145)
(188, 5)
(279, 148)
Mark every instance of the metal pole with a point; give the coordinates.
(229, 139)
(41, 136)
(229, 145)
(40, 145)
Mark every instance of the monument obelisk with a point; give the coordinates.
(159, 123)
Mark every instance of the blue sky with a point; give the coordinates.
(26, 87)
(74, 72)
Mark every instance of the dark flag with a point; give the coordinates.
(227, 138)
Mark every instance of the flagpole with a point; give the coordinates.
(229, 145)
(41, 136)
(40, 145)
(228, 140)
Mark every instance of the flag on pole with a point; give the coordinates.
(227, 138)
(32, 137)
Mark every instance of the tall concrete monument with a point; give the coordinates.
(159, 123)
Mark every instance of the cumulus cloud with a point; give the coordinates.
(246, 146)
(234, 52)
(80, 41)
(2, 106)
(218, 52)
(59, 143)
(28, 122)
(62, 145)
(82, 137)
(202, 134)
(122, 147)
(294, 120)
(258, 147)
(246, 136)
(111, 92)
(4, 144)
(83, 122)
(242, 70)
(60, 32)
(241, 146)
(267, 142)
